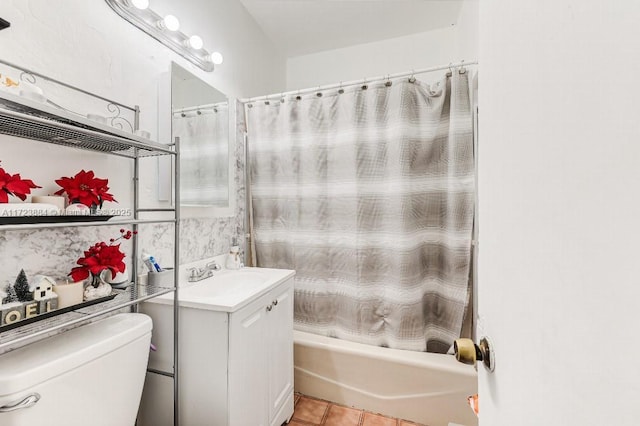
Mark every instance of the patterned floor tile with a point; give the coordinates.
(310, 410)
(342, 416)
(371, 419)
(316, 412)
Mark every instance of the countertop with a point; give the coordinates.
(227, 290)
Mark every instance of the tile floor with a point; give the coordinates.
(310, 411)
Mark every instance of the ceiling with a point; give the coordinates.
(300, 27)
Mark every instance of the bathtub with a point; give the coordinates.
(426, 388)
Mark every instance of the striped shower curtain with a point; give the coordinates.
(369, 195)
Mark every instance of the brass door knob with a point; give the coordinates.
(467, 352)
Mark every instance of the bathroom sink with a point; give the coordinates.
(227, 290)
(243, 276)
(226, 283)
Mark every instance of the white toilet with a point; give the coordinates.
(91, 375)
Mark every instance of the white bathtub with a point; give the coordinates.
(426, 388)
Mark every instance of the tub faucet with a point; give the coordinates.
(197, 274)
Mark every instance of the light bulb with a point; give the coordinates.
(171, 23)
(216, 58)
(195, 42)
(140, 4)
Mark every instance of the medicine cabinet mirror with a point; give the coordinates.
(204, 120)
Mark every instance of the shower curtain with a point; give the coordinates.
(204, 150)
(368, 193)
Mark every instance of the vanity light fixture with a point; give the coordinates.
(140, 4)
(195, 42)
(166, 31)
(170, 23)
(216, 58)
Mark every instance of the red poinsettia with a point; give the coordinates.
(14, 185)
(85, 188)
(100, 257)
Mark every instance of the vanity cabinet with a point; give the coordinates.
(280, 357)
(261, 360)
(236, 353)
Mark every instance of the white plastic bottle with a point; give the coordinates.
(233, 259)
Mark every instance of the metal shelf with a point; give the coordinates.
(49, 122)
(21, 336)
(24, 118)
(115, 222)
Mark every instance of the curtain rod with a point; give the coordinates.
(357, 82)
(197, 107)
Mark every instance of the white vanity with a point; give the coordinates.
(236, 350)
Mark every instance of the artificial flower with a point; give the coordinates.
(85, 188)
(101, 256)
(14, 185)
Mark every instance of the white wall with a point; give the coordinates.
(559, 174)
(252, 64)
(422, 50)
(85, 43)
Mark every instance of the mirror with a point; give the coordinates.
(204, 120)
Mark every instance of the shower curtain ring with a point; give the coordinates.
(298, 97)
(340, 89)
(388, 83)
(281, 98)
(319, 93)
(364, 86)
(450, 73)
(462, 69)
(266, 100)
(412, 78)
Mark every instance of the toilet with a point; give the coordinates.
(91, 375)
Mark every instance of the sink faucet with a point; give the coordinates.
(197, 274)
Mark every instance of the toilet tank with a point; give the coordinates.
(91, 375)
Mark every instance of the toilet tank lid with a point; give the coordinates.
(30, 365)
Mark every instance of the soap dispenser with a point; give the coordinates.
(233, 260)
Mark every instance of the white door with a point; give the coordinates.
(248, 366)
(280, 324)
(559, 209)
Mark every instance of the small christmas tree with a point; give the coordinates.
(21, 287)
(11, 294)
